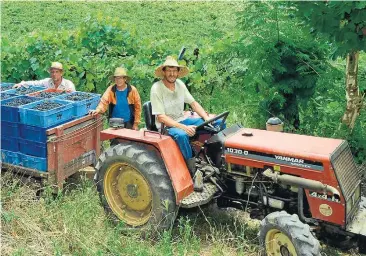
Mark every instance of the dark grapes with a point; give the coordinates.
(23, 90)
(5, 96)
(6, 87)
(78, 96)
(47, 105)
(19, 102)
(48, 94)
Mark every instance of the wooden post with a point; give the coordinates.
(353, 96)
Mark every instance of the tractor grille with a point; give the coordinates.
(346, 170)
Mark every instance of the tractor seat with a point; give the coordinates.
(149, 117)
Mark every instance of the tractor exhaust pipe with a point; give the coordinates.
(300, 182)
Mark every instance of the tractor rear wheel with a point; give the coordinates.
(135, 187)
(282, 234)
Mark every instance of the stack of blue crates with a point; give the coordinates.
(15, 148)
(10, 133)
(9, 130)
(23, 138)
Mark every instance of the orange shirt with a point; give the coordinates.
(108, 100)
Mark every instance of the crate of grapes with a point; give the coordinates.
(46, 112)
(10, 107)
(48, 93)
(25, 90)
(8, 94)
(82, 102)
(6, 86)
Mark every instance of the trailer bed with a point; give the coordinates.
(70, 147)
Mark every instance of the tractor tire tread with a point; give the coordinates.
(299, 233)
(154, 168)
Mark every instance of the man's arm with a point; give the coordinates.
(103, 103)
(42, 82)
(199, 110)
(188, 98)
(167, 121)
(137, 102)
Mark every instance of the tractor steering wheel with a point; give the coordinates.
(209, 122)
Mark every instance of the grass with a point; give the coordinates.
(73, 222)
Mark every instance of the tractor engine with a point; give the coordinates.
(266, 171)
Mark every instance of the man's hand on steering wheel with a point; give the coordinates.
(210, 122)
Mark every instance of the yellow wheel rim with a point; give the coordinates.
(279, 244)
(128, 194)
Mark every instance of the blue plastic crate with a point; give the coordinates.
(9, 143)
(32, 148)
(9, 129)
(6, 86)
(35, 133)
(29, 90)
(8, 94)
(47, 118)
(11, 114)
(10, 157)
(81, 108)
(33, 162)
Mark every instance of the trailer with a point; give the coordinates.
(70, 147)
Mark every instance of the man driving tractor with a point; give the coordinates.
(168, 97)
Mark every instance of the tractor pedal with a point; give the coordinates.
(200, 198)
(198, 181)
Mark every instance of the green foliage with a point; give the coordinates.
(341, 22)
(251, 61)
(93, 44)
(282, 64)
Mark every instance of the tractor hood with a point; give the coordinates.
(280, 147)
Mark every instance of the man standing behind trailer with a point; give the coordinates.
(167, 101)
(56, 81)
(122, 99)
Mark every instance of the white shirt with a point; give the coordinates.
(49, 84)
(170, 103)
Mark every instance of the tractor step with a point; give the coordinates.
(200, 198)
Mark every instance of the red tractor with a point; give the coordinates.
(300, 186)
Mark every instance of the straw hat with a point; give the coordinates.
(121, 72)
(171, 62)
(56, 65)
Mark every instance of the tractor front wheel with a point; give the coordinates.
(282, 234)
(135, 187)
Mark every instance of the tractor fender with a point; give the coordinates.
(169, 151)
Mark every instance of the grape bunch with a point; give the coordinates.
(78, 96)
(19, 102)
(6, 87)
(23, 90)
(5, 96)
(47, 105)
(47, 95)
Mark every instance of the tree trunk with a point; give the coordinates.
(353, 95)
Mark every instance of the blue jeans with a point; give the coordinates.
(182, 138)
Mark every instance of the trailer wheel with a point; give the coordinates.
(283, 234)
(135, 187)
